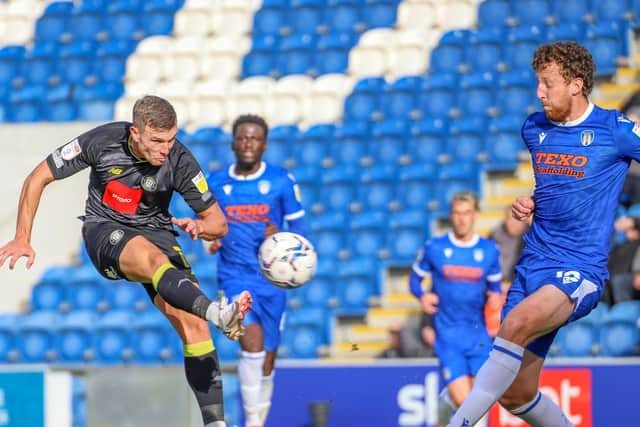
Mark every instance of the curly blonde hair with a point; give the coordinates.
(574, 61)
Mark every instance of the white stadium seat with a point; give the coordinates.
(208, 104)
(416, 15)
(195, 18)
(221, 56)
(326, 100)
(456, 14)
(249, 96)
(285, 104)
(410, 52)
(182, 58)
(146, 62)
(369, 57)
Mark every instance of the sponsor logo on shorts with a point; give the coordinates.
(71, 150)
(149, 183)
(116, 236)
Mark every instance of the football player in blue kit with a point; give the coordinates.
(128, 231)
(580, 155)
(257, 199)
(465, 275)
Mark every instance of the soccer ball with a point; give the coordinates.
(287, 259)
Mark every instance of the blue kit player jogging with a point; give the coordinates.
(579, 167)
(461, 275)
(250, 203)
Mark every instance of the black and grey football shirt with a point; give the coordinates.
(125, 189)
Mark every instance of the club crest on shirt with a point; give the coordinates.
(264, 186)
(587, 137)
(149, 183)
(448, 252)
(478, 255)
(227, 189)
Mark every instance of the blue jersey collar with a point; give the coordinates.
(257, 174)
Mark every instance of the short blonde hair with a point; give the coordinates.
(466, 196)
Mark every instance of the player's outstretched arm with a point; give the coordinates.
(210, 225)
(523, 208)
(30, 196)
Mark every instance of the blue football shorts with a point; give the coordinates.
(461, 352)
(267, 310)
(581, 285)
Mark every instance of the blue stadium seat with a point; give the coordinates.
(368, 233)
(54, 22)
(604, 43)
(49, 295)
(364, 101)
(466, 139)
(158, 16)
(351, 142)
(567, 31)
(416, 185)
(332, 55)
(534, 12)
(504, 142)
(228, 350)
(302, 341)
(305, 15)
(75, 341)
(410, 228)
(75, 62)
(96, 102)
(578, 339)
(619, 339)
(377, 187)
(270, 19)
(313, 146)
(517, 92)
(437, 94)
(114, 335)
(484, 51)
(494, 13)
(319, 292)
(59, 106)
(344, 16)
(40, 63)
(428, 139)
(152, 342)
(571, 11)
(296, 54)
(379, 13)
(281, 141)
(10, 61)
(612, 10)
(400, 97)
(389, 136)
(476, 93)
(339, 185)
(446, 58)
(8, 330)
(123, 20)
(521, 43)
(87, 22)
(123, 295)
(307, 179)
(111, 59)
(36, 339)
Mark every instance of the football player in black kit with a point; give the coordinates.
(128, 232)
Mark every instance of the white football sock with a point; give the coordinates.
(266, 392)
(542, 412)
(250, 375)
(493, 379)
(445, 406)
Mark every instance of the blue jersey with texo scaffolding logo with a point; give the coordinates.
(461, 275)
(269, 195)
(579, 169)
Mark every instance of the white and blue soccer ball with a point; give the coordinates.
(287, 260)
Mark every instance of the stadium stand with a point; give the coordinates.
(381, 108)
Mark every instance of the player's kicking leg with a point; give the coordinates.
(539, 313)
